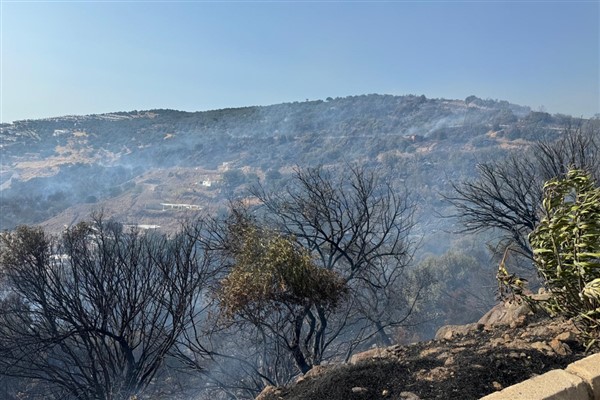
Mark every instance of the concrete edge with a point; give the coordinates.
(579, 381)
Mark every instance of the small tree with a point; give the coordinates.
(566, 247)
(275, 286)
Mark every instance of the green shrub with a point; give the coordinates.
(271, 270)
(566, 247)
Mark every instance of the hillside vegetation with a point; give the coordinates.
(55, 170)
(277, 238)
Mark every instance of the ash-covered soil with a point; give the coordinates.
(472, 361)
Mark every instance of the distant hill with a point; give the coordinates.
(156, 167)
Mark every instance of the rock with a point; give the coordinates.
(541, 346)
(385, 393)
(315, 371)
(372, 354)
(409, 396)
(360, 390)
(268, 392)
(450, 331)
(516, 344)
(429, 351)
(497, 386)
(518, 322)
(506, 313)
(568, 337)
(559, 347)
(435, 375)
(535, 331)
(449, 361)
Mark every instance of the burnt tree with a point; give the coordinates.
(93, 314)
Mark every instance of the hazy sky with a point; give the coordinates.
(84, 57)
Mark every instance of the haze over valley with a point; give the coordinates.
(56, 171)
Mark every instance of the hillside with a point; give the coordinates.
(156, 169)
(55, 171)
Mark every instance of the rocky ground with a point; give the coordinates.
(508, 345)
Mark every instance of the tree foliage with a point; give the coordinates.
(270, 270)
(566, 247)
(275, 286)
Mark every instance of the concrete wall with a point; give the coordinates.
(579, 381)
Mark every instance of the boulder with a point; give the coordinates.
(372, 354)
(507, 313)
(449, 332)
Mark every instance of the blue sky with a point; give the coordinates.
(84, 57)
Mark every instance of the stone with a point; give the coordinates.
(315, 371)
(448, 332)
(542, 347)
(517, 344)
(518, 322)
(409, 396)
(372, 354)
(359, 390)
(506, 313)
(429, 352)
(435, 374)
(268, 392)
(559, 347)
(449, 361)
(568, 336)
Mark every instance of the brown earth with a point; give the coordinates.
(464, 362)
